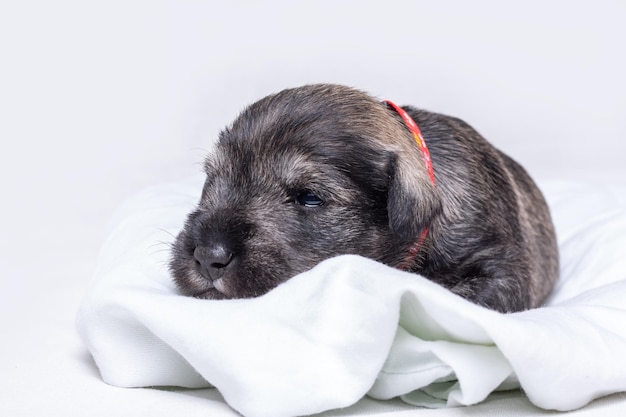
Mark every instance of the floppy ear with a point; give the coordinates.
(413, 201)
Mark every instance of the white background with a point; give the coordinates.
(100, 99)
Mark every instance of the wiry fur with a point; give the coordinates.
(490, 236)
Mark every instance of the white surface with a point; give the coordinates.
(98, 100)
(351, 326)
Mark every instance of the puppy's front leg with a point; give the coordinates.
(498, 293)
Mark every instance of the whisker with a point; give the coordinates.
(167, 231)
(164, 265)
(160, 247)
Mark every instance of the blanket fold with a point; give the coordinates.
(352, 327)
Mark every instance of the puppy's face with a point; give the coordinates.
(300, 177)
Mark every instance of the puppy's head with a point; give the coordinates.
(301, 176)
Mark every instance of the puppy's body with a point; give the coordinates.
(324, 170)
(495, 233)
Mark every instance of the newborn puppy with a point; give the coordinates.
(324, 170)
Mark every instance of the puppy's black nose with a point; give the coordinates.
(213, 260)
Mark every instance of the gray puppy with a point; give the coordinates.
(323, 170)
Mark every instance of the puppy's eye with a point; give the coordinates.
(307, 199)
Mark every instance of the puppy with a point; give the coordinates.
(324, 170)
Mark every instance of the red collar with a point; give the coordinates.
(421, 144)
(417, 135)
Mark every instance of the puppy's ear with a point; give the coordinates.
(413, 201)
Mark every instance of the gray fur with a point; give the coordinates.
(490, 237)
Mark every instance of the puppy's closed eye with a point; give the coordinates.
(307, 198)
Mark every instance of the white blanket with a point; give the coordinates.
(351, 327)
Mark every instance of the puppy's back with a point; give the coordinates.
(494, 242)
